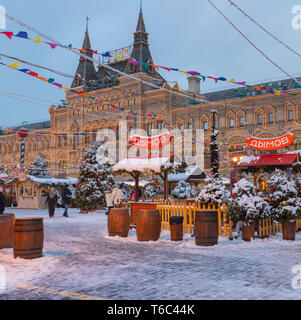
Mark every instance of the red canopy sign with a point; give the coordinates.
(151, 142)
(271, 144)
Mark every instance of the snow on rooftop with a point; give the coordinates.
(142, 183)
(191, 170)
(52, 180)
(140, 164)
(294, 152)
(247, 160)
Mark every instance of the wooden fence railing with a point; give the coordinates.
(265, 227)
(187, 211)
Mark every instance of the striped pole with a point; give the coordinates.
(22, 151)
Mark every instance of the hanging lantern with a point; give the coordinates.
(22, 133)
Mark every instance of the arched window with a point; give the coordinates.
(181, 128)
(189, 126)
(205, 125)
(231, 123)
(149, 129)
(241, 121)
(271, 117)
(259, 119)
(290, 115)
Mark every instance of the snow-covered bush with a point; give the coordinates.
(94, 179)
(244, 205)
(150, 191)
(214, 192)
(283, 197)
(183, 190)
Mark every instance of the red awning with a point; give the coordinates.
(267, 160)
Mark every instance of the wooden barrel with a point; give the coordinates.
(119, 222)
(248, 232)
(148, 225)
(206, 228)
(28, 238)
(289, 230)
(135, 206)
(7, 222)
(176, 228)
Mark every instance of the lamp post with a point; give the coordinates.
(235, 160)
(233, 169)
(214, 147)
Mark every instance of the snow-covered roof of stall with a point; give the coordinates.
(5, 178)
(275, 159)
(53, 181)
(190, 171)
(141, 164)
(142, 183)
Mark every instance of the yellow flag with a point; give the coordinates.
(37, 40)
(14, 65)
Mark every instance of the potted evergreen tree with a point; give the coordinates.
(246, 207)
(284, 203)
(183, 190)
(213, 193)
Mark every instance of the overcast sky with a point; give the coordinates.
(189, 35)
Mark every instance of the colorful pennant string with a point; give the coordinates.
(67, 89)
(24, 35)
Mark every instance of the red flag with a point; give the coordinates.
(8, 34)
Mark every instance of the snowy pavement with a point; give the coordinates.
(81, 262)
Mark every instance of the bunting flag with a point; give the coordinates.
(67, 89)
(24, 35)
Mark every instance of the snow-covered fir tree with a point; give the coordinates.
(214, 192)
(298, 188)
(39, 168)
(150, 191)
(183, 190)
(94, 179)
(283, 197)
(244, 205)
(214, 153)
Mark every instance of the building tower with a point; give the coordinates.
(85, 71)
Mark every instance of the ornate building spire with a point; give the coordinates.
(85, 70)
(141, 51)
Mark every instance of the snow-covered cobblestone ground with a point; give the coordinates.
(80, 258)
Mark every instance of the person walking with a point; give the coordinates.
(51, 201)
(2, 201)
(109, 200)
(117, 196)
(66, 196)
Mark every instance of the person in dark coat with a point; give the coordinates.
(52, 201)
(2, 202)
(66, 196)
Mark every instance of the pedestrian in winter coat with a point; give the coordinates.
(117, 196)
(109, 200)
(66, 196)
(2, 202)
(52, 201)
